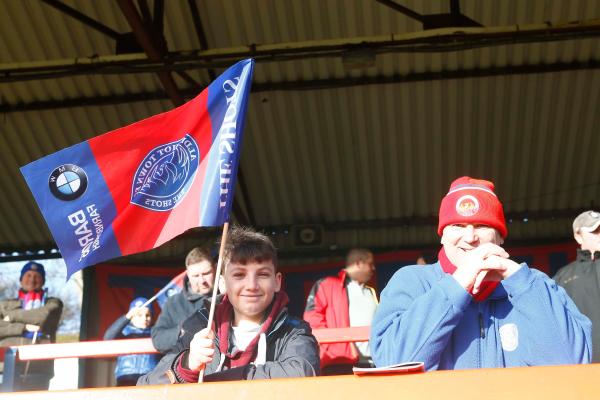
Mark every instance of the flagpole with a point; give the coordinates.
(150, 300)
(161, 291)
(213, 301)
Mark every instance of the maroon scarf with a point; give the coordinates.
(224, 318)
(485, 289)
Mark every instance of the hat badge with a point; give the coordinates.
(467, 206)
(34, 267)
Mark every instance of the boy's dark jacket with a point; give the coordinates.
(292, 351)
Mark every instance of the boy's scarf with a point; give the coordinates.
(33, 299)
(224, 318)
(485, 289)
(134, 330)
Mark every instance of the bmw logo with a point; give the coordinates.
(68, 182)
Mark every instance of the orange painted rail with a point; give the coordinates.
(112, 348)
(547, 383)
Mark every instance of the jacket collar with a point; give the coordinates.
(344, 278)
(277, 324)
(586, 255)
(189, 295)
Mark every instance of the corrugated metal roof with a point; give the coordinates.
(342, 155)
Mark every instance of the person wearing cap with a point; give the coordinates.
(135, 324)
(475, 307)
(581, 278)
(32, 317)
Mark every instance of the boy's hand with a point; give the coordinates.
(131, 313)
(202, 349)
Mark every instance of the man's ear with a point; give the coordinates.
(578, 238)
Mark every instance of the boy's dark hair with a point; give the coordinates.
(198, 254)
(357, 255)
(245, 245)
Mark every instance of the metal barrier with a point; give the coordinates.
(15, 357)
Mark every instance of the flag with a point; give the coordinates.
(134, 188)
(172, 288)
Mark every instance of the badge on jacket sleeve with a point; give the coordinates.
(509, 336)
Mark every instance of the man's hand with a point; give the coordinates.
(488, 262)
(32, 328)
(202, 349)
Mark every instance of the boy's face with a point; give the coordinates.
(251, 288)
(141, 318)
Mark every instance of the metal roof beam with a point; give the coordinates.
(318, 84)
(33, 251)
(401, 9)
(438, 40)
(151, 48)
(159, 16)
(81, 17)
(434, 21)
(200, 33)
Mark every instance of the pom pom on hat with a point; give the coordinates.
(472, 201)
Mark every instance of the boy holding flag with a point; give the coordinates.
(254, 337)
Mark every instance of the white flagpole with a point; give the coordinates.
(213, 301)
(151, 299)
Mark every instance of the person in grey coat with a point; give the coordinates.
(32, 317)
(254, 337)
(197, 288)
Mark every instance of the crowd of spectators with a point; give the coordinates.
(473, 307)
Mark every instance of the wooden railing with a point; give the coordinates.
(16, 356)
(112, 348)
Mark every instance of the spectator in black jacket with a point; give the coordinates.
(197, 287)
(254, 336)
(581, 278)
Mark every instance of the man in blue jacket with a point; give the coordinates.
(475, 307)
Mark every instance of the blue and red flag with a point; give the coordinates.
(134, 188)
(170, 289)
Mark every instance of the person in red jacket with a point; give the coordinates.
(342, 301)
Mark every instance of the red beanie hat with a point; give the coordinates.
(472, 201)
